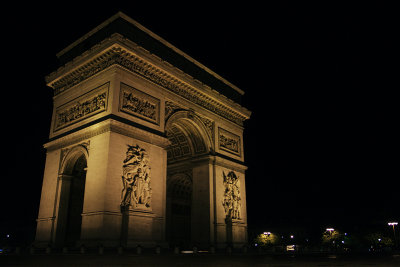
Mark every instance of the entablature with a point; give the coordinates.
(120, 51)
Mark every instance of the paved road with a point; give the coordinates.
(214, 260)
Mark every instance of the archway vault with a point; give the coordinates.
(188, 135)
(71, 157)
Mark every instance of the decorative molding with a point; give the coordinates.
(94, 213)
(171, 108)
(229, 142)
(108, 125)
(118, 55)
(45, 219)
(65, 151)
(83, 107)
(209, 124)
(139, 104)
(230, 163)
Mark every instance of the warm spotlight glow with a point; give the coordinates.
(290, 247)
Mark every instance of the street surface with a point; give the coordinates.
(168, 259)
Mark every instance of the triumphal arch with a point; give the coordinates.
(145, 146)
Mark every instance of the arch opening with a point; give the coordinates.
(72, 192)
(179, 206)
(188, 140)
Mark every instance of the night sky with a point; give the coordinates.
(322, 144)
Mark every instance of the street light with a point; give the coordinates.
(393, 224)
(330, 230)
(267, 233)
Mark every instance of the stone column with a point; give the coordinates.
(47, 210)
(101, 216)
(202, 204)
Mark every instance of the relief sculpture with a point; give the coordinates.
(229, 142)
(81, 108)
(139, 104)
(232, 200)
(136, 178)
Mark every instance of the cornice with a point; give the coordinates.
(218, 160)
(117, 50)
(109, 125)
(135, 25)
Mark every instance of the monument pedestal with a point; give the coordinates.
(100, 228)
(236, 233)
(139, 225)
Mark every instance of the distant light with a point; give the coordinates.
(379, 239)
(8, 236)
(290, 247)
(345, 233)
(393, 223)
(342, 241)
(291, 236)
(267, 233)
(330, 229)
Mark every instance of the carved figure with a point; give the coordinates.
(232, 201)
(136, 178)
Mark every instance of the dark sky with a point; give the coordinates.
(321, 82)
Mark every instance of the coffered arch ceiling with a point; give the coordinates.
(186, 140)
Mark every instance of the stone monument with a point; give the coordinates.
(145, 147)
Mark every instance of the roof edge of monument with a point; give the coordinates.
(153, 35)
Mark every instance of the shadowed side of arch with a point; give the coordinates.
(72, 188)
(179, 209)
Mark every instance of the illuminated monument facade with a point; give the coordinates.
(145, 148)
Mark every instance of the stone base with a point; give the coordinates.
(137, 228)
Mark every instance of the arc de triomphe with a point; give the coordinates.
(145, 146)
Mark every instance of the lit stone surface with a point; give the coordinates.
(139, 151)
